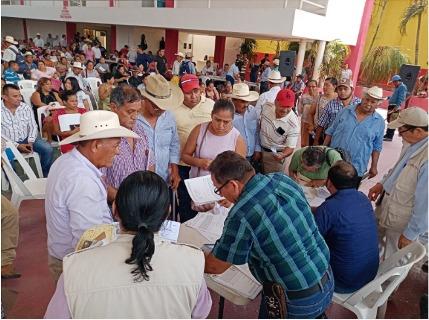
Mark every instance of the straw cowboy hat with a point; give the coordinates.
(99, 124)
(276, 77)
(78, 65)
(180, 54)
(10, 39)
(241, 91)
(375, 92)
(162, 93)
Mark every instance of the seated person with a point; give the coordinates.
(309, 166)
(347, 222)
(157, 278)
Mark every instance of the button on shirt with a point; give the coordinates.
(19, 126)
(419, 219)
(359, 139)
(331, 110)
(269, 96)
(187, 119)
(271, 228)
(164, 141)
(247, 125)
(269, 126)
(76, 199)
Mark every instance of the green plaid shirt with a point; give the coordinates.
(271, 228)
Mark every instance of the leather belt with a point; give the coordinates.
(309, 291)
(269, 150)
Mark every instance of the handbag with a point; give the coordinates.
(274, 300)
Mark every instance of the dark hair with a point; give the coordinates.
(209, 81)
(313, 156)
(42, 81)
(142, 203)
(12, 62)
(124, 94)
(412, 128)
(343, 175)
(310, 81)
(300, 76)
(89, 61)
(9, 86)
(74, 83)
(332, 80)
(66, 94)
(229, 165)
(223, 104)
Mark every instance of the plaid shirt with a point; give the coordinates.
(331, 110)
(271, 228)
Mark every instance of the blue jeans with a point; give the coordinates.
(45, 151)
(185, 211)
(309, 307)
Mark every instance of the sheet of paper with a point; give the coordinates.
(201, 190)
(69, 121)
(315, 196)
(170, 230)
(242, 282)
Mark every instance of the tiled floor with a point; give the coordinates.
(28, 296)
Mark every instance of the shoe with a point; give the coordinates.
(387, 139)
(8, 272)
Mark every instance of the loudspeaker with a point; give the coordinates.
(409, 74)
(287, 63)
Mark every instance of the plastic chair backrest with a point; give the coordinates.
(66, 120)
(16, 183)
(26, 95)
(27, 84)
(94, 83)
(18, 157)
(43, 110)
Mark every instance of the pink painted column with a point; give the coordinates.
(355, 58)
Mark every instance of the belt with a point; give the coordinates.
(269, 150)
(309, 291)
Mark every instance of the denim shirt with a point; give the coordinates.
(247, 125)
(399, 95)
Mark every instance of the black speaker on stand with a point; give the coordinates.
(409, 74)
(287, 64)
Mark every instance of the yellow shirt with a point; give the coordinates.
(187, 119)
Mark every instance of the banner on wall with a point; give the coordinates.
(65, 13)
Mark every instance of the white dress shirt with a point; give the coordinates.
(19, 126)
(9, 54)
(39, 43)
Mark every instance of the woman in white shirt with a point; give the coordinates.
(89, 71)
(42, 71)
(83, 101)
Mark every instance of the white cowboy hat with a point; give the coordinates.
(276, 77)
(276, 62)
(180, 54)
(165, 95)
(375, 92)
(241, 91)
(10, 39)
(99, 124)
(78, 65)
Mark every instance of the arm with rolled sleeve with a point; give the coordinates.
(418, 223)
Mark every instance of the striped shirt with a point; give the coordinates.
(20, 125)
(331, 110)
(128, 160)
(11, 76)
(271, 228)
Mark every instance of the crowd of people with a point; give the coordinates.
(160, 125)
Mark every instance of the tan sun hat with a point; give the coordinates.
(276, 77)
(412, 116)
(164, 94)
(375, 92)
(99, 124)
(10, 39)
(180, 54)
(241, 91)
(78, 65)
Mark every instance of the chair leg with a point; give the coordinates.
(381, 311)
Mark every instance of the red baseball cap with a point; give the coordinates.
(286, 98)
(189, 82)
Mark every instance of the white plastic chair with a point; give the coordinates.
(26, 95)
(43, 110)
(26, 156)
(32, 188)
(27, 84)
(391, 272)
(94, 83)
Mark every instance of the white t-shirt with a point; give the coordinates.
(97, 52)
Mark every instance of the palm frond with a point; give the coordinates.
(413, 10)
(335, 54)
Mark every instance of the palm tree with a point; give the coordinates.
(415, 9)
(382, 4)
(247, 47)
(333, 59)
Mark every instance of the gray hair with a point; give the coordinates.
(123, 94)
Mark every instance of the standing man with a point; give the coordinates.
(246, 120)
(161, 62)
(176, 64)
(265, 73)
(358, 130)
(402, 206)
(194, 111)
(298, 86)
(275, 82)
(63, 41)
(271, 228)
(76, 196)
(38, 41)
(345, 99)
(18, 125)
(233, 73)
(11, 52)
(279, 131)
(395, 101)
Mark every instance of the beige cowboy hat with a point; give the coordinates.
(99, 124)
(412, 116)
(276, 77)
(241, 91)
(10, 39)
(375, 92)
(78, 65)
(165, 95)
(180, 54)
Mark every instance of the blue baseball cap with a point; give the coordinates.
(396, 77)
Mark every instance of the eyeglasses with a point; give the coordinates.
(217, 190)
(402, 131)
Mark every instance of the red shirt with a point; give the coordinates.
(67, 147)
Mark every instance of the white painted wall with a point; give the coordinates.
(185, 37)
(131, 36)
(203, 45)
(232, 48)
(15, 28)
(12, 27)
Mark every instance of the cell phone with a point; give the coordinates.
(280, 131)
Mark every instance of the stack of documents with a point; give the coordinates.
(170, 230)
(315, 196)
(201, 190)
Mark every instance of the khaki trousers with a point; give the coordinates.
(55, 267)
(270, 164)
(9, 231)
(388, 241)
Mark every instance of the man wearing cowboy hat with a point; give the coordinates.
(134, 154)
(402, 204)
(38, 41)
(11, 51)
(395, 101)
(76, 72)
(279, 131)
(359, 130)
(345, 99)
(176, 64)
(28, 65)
(194, 110)
(246, 120)
(160, 96)
(275, 82)
(76, 196)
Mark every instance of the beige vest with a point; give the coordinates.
(396, 208)
(99, 284)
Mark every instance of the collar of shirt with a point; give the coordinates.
(352, 110)
(341, 192)
(84, 160)
(21, 106)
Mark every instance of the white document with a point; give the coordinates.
(69, 121)
(201, 190)
(170, 230)
(315, 196)
(240, 280)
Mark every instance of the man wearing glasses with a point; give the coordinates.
(402, 203)
(271, 228)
